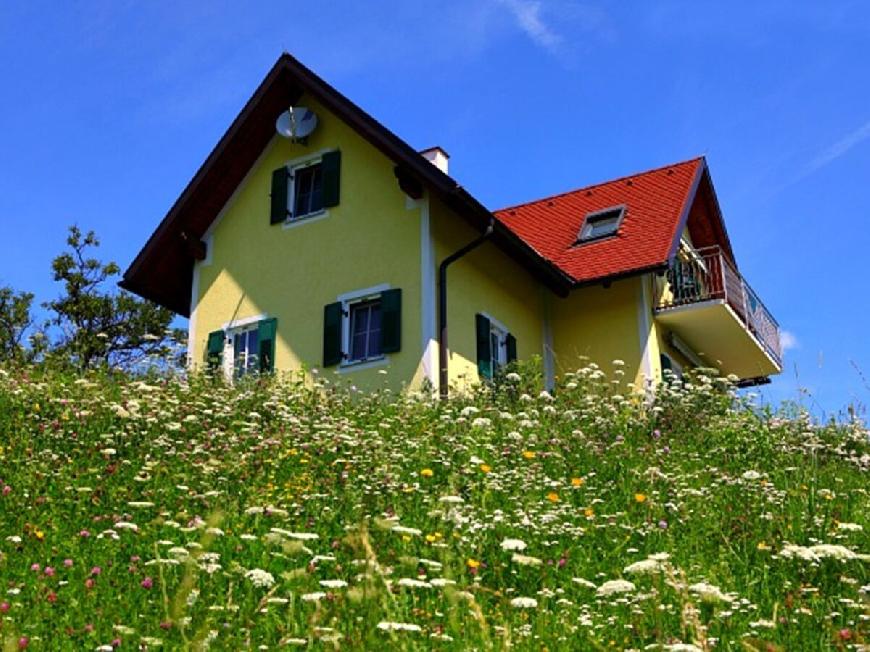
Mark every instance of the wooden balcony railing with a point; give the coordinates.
(707, 275)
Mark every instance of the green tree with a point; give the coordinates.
(15, 320)
(103, 326)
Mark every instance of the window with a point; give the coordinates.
(362, 326)
(243, 347)
(365, 330)
(601, 224)
(496, 347)
(305, 188)
(669, 364)
(307, 193)
(245, 350)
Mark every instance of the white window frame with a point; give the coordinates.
(230, 329)
(498, 357)
(298, 164)
(347, 301)
(231, 345)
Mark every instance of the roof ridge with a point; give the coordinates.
(600, 183)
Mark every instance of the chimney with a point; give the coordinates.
(437, 157)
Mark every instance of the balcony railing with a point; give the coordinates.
(707, 275)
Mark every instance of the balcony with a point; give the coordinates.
(708, 304)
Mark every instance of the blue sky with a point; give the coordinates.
(108, 108)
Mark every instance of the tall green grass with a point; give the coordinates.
(186, 514)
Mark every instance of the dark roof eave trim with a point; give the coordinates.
(649, 269)
(753, 382)
(548, 273)
(168, 220)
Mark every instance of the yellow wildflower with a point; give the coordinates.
(640, 498)
(529, 455)
(553, 497)
(426, 473)
(486, 468)
(577, 482)
(39, 534)
(473, 563)
(589, 512)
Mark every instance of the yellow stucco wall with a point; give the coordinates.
(603, 325)
(484, 281)
(374, 237)
(370, 238)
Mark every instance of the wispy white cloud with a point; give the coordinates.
(527, 14)
(788, 340)
(838, 149)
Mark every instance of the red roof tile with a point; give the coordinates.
(656, 201)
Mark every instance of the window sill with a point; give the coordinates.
(306, 219)
(348, 367)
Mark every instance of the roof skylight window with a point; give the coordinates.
(601, 224)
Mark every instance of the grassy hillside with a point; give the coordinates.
(164, 513)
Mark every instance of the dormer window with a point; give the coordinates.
(601, 224)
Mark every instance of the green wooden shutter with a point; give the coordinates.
(332, 316)
(215, 349)
(484, 350)
(511, 346)
(391, 320)
(330, 167)
(280, 188)
(266, 331)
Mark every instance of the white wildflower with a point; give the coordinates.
(401, 529)
(833, 551)
(582, 581)
(524, 603)
(260, 578)
(298, 536)
(709, 592)
(612, 587)
(513, 544)
(398, 627)
(333, 584)
(643, 567)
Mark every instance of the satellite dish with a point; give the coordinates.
(296, 122)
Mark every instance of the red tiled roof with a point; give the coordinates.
(656, 203)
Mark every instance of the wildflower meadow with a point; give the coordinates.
(180, 512)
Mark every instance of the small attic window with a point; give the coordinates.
(601, 224)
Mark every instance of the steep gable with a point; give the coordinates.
(163, 269)
(655, 206)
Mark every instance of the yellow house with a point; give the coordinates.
(313, 237)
